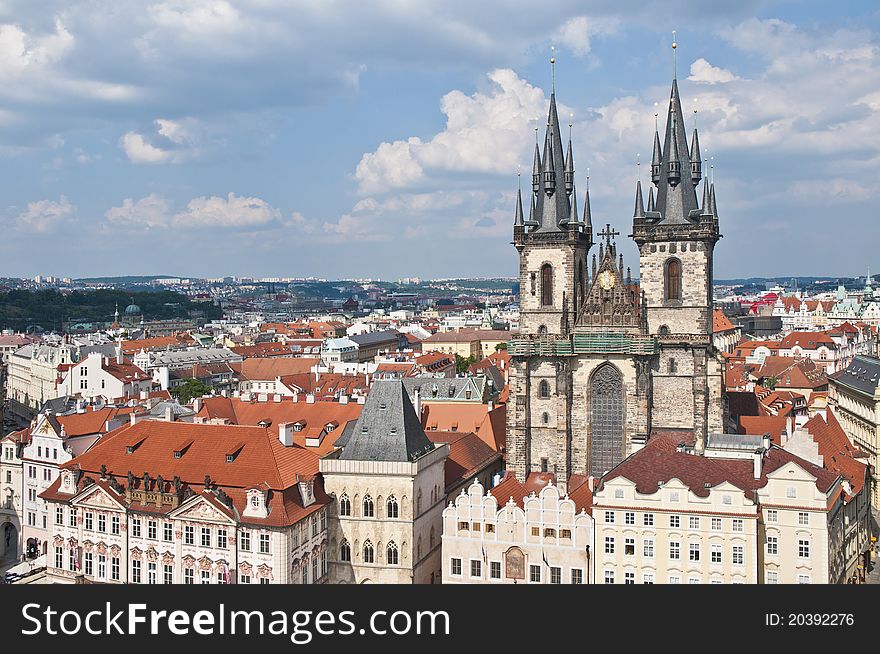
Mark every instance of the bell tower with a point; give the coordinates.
(676, 239)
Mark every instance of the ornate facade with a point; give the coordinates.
(600, 361)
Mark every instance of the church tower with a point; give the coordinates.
(676, 238)
(553, 242)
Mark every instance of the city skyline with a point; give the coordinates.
(190, 138)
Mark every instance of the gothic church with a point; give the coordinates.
(602, 361)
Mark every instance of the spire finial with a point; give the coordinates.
(552, 69)
(638, 167)
(656, 121)
(674, 67)
(588, 179)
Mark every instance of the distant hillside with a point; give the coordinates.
(49, 308)
(129, 279)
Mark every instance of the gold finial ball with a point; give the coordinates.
(552, 60)
(674, 45)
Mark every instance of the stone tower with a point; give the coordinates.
(676, 239)
(553, 243)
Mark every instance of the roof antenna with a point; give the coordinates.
(552, 70)
(674, 67)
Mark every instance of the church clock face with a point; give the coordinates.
(606, 279)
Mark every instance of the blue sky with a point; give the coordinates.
(382, 139)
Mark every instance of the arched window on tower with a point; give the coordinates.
(672, 367)
(545, 417)
(542, 330)
(369, 553)
(345, 551)
(392, 556)
(546, 285)
(672, 279)
(368, 507)
(344, 505)
(544, 388)
(392, 508)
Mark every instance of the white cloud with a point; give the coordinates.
(233, 211)
(173, 142)
(151, 211)
(704, 72)
(22, 53)
(577, 33)
(45, 216)
(485, 132)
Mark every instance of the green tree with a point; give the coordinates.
(190, 389)
(501, 346)
(462, 364)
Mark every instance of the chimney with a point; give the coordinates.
(133, 417)
(417, 403)
(757, 459)
(119, 353)
(169, 414)
(591, 483)
(310, 398)
(343, 399)
(766, 441)
(197, 404)
(285, 433)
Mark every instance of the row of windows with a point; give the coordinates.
(576, 575)
(629, 577)
(675, 547)
(392, 554)
(368, 506)
(675, 522)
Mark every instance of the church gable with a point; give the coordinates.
(613, 300)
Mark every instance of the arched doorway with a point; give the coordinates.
(606, 419)
(8, 542)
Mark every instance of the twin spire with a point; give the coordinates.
(553, 204)
(675, 172)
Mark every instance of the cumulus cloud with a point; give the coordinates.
(704, 72)
(233, 211)
(485, 132)
(171, 142)
(151, 211)
(45, 216)
(577, 32)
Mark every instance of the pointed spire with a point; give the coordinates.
(656, 160)
(712, 204)
(594, 263)
(707, 201)
(696, 162)
(569, 165)
(588, 216)
(518, 216)
(549, 169)
(532, 221)
(572, 219)
(650, 199)
(536, 167)
(673, 154)
(640, 204)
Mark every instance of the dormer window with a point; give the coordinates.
(255, 501)
(297, 426)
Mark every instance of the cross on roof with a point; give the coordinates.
(609, 233)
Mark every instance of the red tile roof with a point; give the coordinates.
(721, 323)
(659, 461)
(838, 453)
(267, 369)
(468, 455)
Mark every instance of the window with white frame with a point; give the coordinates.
(609, 544)
(455, 567)
(577, 576)
(693, 551)
(629, 546)
(152, 529)
(674, 521)
(59, 515)
(674, 579)
(693, 522)
(135, 526)
(629, 578)
(88, 522)
(648, 548)
(495, 570)
(167, 532)
(648, 578)
(716, 524)
(791, 492)
(188, 576)
(772, 577)
(114, 525)
(151, 572)
(102, 523)
(609, 576)
(222, 540)
(674, 550)
(206, 537)
(535, 574)
(629, 518)
(772, 515)
(87, 564)
(803, 579)
(609, 517)
(189, 535)
(803, 518)
(167, 574)
(803, 549)
(715, 553)
(772, 544)
(135, 571)
(648, 520)
(114, 568)
(737, 555)
(206, 576)
(244, 541)
(264, 543)
(102, 567)
(737, 524)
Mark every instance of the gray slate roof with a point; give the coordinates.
(863, 374)
(374, 338)
(388, 428)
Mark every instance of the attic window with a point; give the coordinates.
(393, 431)
(382, 406)
(177, 454)
(297, 426)
(330, 426)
